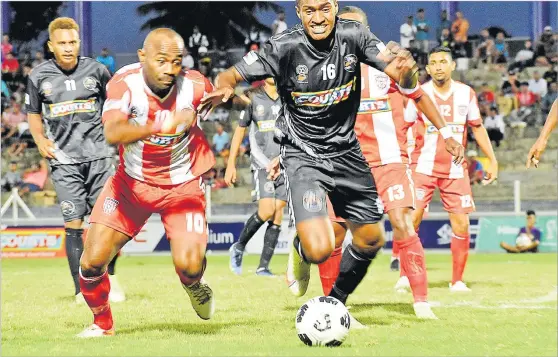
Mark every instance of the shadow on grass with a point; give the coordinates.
(471, 284)
(201, 328)
(399, 307)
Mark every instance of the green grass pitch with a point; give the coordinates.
(511, 311)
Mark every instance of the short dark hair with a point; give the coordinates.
(420, 10)
(440, 49)
(354, 10)
(531, 212)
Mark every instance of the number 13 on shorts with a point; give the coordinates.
(396, 193)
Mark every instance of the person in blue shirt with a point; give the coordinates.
(107, 60)
(221, 141)
(528, 238)
(421, 38)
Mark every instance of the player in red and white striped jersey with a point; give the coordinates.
(150, 112)
(382, 132)
(433, 167)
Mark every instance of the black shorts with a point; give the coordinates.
(264, 188)
(78, 186)
(346, 179)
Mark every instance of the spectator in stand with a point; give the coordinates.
(445, 23)
(34, 179)
(187, 60)
(476, 171)
(39, 58)
(445, 39)
(486, 98)
(460, 29)
(511, 85)
(255, 36)
(14, 123)
(525, 97)
(524, 58)
(538, 85)
(415, 52)
(407, 31)
(221, 141)
(528, 238)
(107, 60)
(10, 64)
(551, 75)
(495, 126)
(506, 104)
(279, 25)
(12, 178)
(549, 98)
(422, 35)
(546, 43)
(501, 48)
(7, 47)
(423, 76)
(222, 62)
(5, 92)
(483, 52)
(197, 40)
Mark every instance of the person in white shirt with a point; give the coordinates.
(187, 60)
(495, 126)
(279, 25)
(407, 31)
(525, 54)
(538, 85)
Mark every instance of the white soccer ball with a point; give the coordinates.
(523, 240)
(323, 321)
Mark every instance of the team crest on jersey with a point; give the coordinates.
(350, 63)
(381, 81)
(420, 194)
(462, 110)
(302, 73)
(90, 83)
(47, 88)
(313, 201)
(109, 206)
(260, 111)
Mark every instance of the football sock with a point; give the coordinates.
(74, 248)
(270, 241)
(329, 270)
(250, 228)
(112, 265)
(95, 291)
(353, 268)
(459, 252)
(298, 247)
(413, 263)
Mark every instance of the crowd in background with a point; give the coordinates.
(514, 90)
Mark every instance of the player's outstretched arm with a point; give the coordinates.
(225, 82)
(45, 145)
(481, 136)
(428, 108)
(540, 145)
(230, 172)
(119, 131)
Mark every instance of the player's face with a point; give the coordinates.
(440, 66)
(64, 44)
(162, 62)
(318, 17)
(353, 16)
(531, 220)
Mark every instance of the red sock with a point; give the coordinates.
(459, 253)
(329, 270)
(412, 261)
(186, 280)
(96, 292)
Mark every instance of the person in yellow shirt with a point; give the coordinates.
(506, 104)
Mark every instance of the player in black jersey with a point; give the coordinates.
(259, 116)
(316, 66)
(64, 99)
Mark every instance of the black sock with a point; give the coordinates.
(298, 247)
(74, 248)
(354, 266)
(111, 265)
(270, 241)
(250, 228)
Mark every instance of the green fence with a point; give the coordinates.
(493, 230)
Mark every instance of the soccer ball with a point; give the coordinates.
(523, 240)
(323, 321)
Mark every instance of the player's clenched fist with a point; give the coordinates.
(402, 63)
(46, 148)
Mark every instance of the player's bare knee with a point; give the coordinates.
(266, 212)
(189, 264)
(460, 224)
(91, 267)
